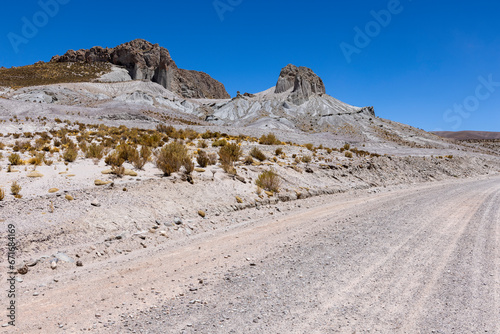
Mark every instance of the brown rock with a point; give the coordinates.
(147, 61)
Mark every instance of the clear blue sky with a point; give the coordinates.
(413, 69)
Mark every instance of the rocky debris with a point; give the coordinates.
(146, 61)
(23, 270)
(79, 263)
(53, 263)
(95, 203)
(201, 213)
(304, 81)
(64, 257)
(177, 221)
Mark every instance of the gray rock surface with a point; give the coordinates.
(304, 81)
(146, 61)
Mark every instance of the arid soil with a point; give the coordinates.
(401, 259)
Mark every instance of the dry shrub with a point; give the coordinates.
(113, 159)
(118, 170)
(202, 143)
(70, 154)
(278, 151)
(15, 188)
(348, 154)
(268, 180)
(219, 143)
(309, 146)
(269, 139)
(258, 154)
(202, 159)
(248, 160)
(94, 151)
(171, 157)
(15, 159)
(188, 165)
(306, 159)
(229, 153)
(212, 158)
(140, 158)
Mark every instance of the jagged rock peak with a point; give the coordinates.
(304, 81)
(148, 61)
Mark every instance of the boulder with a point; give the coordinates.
(304, 81)
(146, 61)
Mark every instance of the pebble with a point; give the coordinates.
(177, 221)
(95, 203)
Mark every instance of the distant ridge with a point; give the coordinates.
(467, 135)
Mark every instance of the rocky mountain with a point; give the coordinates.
(146, 61)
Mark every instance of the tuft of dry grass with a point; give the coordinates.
(257, 154)
(171, 157)
(15, 159)
(269, 139)
(202, 159)
(229, 153)
(268, 180)
(51, 73)
(15, 188)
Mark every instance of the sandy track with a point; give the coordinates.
(415, 260)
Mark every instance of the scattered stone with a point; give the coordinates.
(201, 213)
(69, 197)
(101, 183)
(309, 170)
(53, 264)
(240, 178)
(178, 221)
(238, 199)
(34, 173)
(163, 233)
(64, 257)
(130, 172)
(269, 193)
(199, 170)
(53, 190)
(79, 264)
(23, 270)
(95, 203)
(36, 294)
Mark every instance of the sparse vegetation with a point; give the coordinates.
(15, 188)
(51, 73)
(15, 159)
(171, 157)
(257, 154)
(202, 159)
(268, 180)
(269, 139)
(70, 154)
(229, 153)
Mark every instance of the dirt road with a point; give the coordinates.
(423, 259)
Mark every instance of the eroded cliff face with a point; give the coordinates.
(304, 81)
(146, 61)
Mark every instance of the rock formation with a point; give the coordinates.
(146, 61)
(304, 81)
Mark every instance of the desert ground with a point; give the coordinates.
(137, 209)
